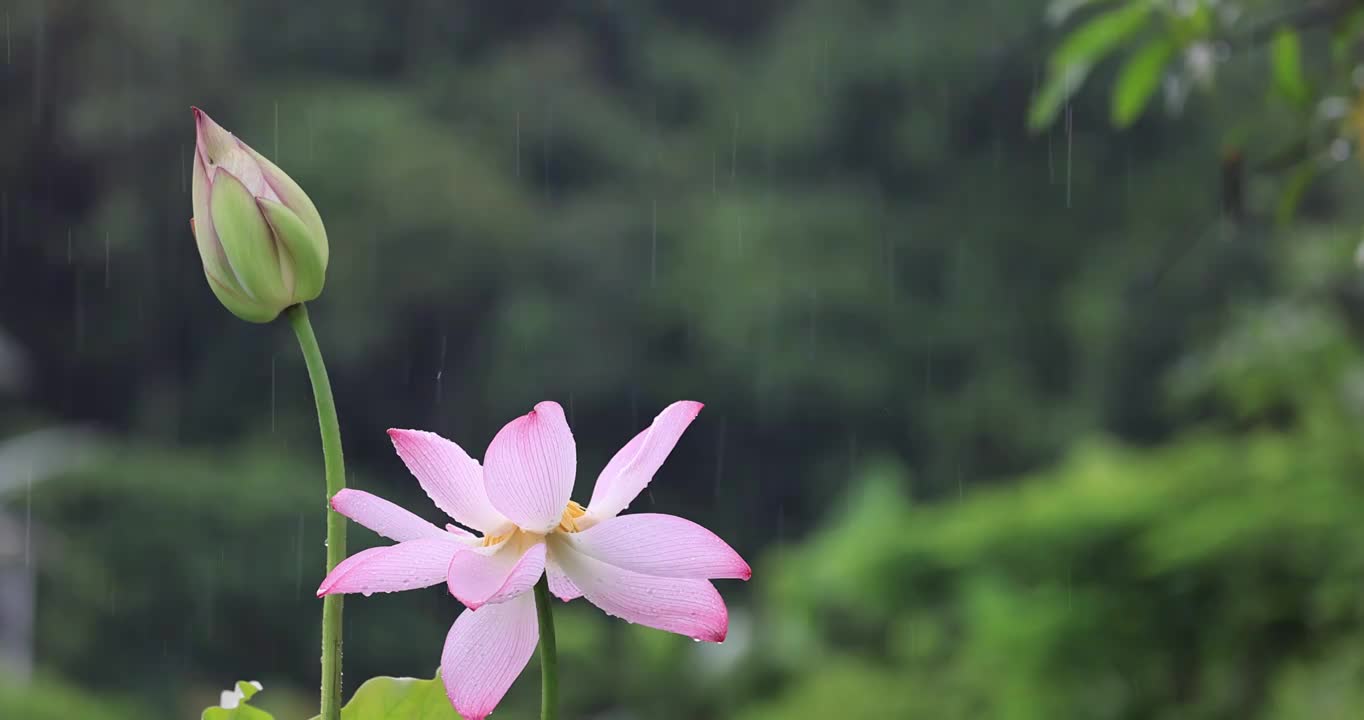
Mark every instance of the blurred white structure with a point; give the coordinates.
(17, 598)
(25, 459)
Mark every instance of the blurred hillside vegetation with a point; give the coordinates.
(1029, 332)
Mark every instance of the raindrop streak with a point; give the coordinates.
(1127, 174)
(653, 246)
(887, 246)
(852, 454)
(653, 137)
(4, 224)
(298, 558)
(826, 80)
(518, 144)
(734, 151)
(714, 189)
(28, 517)
(781, 534)
(1070, 584)
(719, 459)
(80, 314)
(272, 391)
(9, 55)
(812, 339)
(549, 130)
(634, 407)
(733, 176)
(106, 260)
(276, 155)
(1070, 136)
(39, 41)
(1051, 158)
(440, 367)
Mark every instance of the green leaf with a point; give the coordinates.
(248, 690)
(390, 698)
(1081, 50)
(1053, 95)
(1139, 80)
(1286, 60)
(243, 711)
(1088, 44)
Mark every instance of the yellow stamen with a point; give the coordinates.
(569, 522)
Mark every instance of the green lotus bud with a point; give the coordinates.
(260, 237)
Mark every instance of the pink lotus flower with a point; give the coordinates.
(649, 569)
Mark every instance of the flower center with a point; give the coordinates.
(571, 522)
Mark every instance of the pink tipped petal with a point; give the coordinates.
(394, 568)
(451, 478)
(529, 468)
(485, 652)
(663, 545)
(382, 516)
(211, 141)
(244, 167)
(681, 605)
(477, 579)
(218, 148)
(459, 532)
(559, 584)
(634, 466)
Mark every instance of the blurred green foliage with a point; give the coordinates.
(1214, 576)
(1305, 55)
(1012, 424)
(46, 698)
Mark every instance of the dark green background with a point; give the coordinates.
(1010, 425)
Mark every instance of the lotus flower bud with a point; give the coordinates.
(260, 237)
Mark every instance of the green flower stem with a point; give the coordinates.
(549, 660)
(336, 524)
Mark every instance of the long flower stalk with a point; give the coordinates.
(336, 524)
(549, 660)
